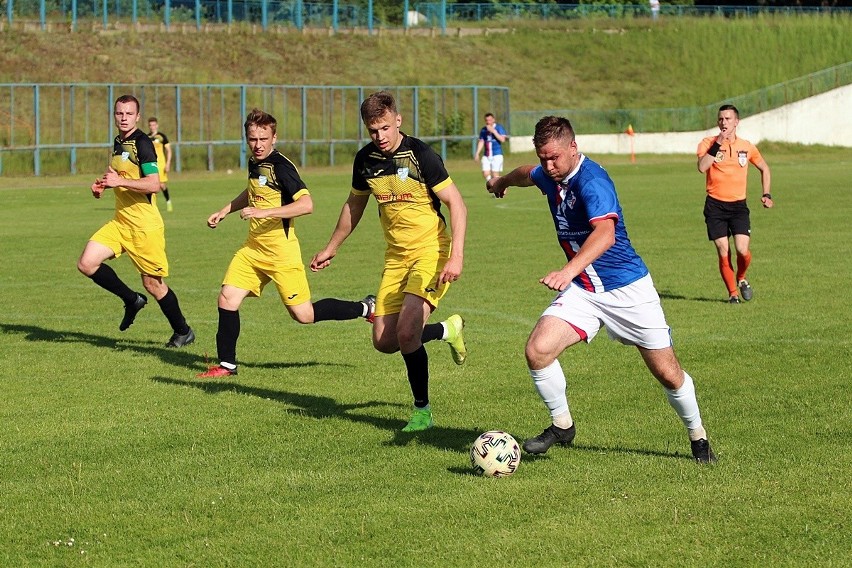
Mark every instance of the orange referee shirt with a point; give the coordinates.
(727, 177)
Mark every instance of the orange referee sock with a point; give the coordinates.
(727, 272)
(743, 260)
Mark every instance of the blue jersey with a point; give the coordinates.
(492, 145)
(589, 195)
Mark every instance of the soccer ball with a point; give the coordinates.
(495, 454)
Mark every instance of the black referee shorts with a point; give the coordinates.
(726, 218)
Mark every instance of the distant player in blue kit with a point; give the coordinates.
(604, 283)
(490, 145)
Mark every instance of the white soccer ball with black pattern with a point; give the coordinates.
(495, 454)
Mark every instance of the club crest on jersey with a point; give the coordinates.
(125, 156)
(566, 196)
(261, 180)
(402, 173)
(570, 200)
(742, 158)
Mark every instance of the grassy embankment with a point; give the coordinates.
(594, 64)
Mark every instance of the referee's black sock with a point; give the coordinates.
(417, 364)
(171, 309)
(329, 309)
(106, 278)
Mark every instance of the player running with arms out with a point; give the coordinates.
(410, 184)
(724, 159)
(604, 283)
(137, 228)
(164, 157)
(274, 197)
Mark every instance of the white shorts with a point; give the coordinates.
(631, 314)
(493, 163)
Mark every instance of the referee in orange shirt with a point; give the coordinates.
(724, 159)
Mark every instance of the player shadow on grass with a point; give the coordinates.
(314, 406)
(628, 451)
(556, 451)
(666, 295)
(176, 357)
(167, 355)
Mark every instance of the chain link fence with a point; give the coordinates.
(317, 126)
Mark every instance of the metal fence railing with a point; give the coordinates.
(688, 119)
(204, 123)
(435, 12)
(300, 14)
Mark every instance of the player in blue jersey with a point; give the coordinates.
(490, 145)
(604, 283)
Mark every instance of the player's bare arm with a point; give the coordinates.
(492, 128)
(350, 216)
(519, 177)
(600, 240)
(479, 146)
(168, 150)
(98, 188)
(302, 206)
(451, 197)
(765, 184)
(146, 184)
(236, 204)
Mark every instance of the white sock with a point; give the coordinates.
(550, 384)
(686, 405)
(229, 366)
(446, 331)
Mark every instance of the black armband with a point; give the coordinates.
(714, 149)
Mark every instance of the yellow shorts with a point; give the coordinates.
(145, 247)
(250, 270)
(418, 276)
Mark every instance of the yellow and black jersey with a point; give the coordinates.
(274, 182)
(135, 158)
(405, 186)
(160, 140)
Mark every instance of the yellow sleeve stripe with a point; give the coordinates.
(360, 192)
(442, 185)
(300, 193)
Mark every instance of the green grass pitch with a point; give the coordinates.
(112, 453)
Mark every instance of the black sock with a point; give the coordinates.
(417, 364)
(166, 193)
(338, 310)
(432, 331)
(226, 337)
(171, 309)
(106, 278)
